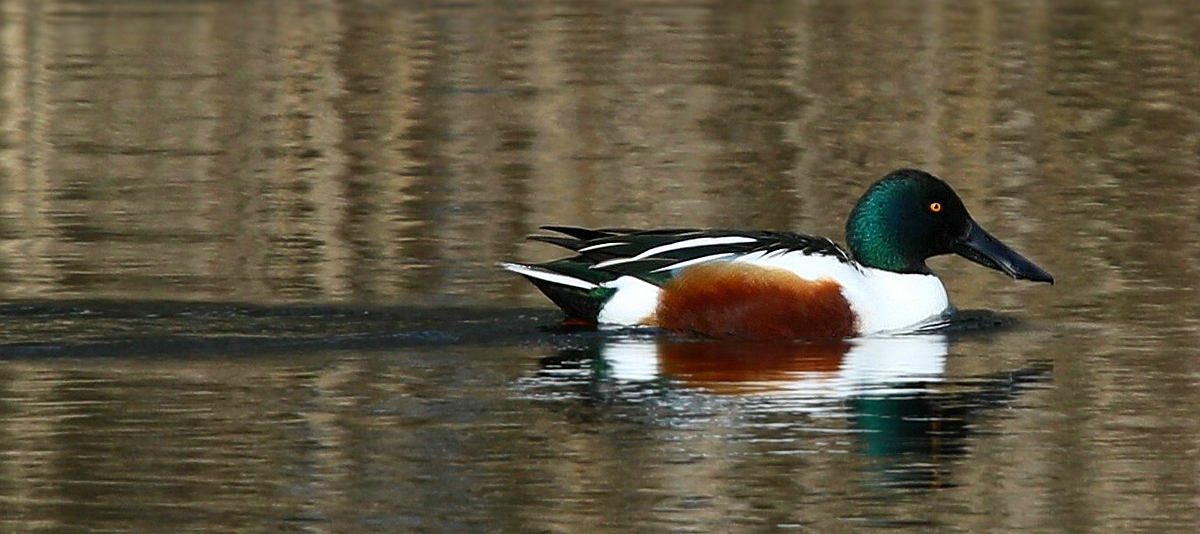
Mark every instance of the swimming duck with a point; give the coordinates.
(753, 284)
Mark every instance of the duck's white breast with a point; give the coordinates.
(890, 302)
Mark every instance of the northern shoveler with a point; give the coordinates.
(773, 285)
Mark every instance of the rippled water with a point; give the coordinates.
(248, 266)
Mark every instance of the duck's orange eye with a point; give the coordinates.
(935, 207)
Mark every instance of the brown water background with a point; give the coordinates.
(248, 258)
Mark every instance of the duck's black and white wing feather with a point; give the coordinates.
(654, 255)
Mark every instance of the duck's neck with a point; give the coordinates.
(882, 240)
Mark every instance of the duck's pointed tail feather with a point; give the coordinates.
(571, 286)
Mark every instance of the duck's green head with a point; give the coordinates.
(909, 216)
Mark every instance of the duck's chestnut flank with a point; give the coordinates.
(742, 300)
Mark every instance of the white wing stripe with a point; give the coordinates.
(690, 243)
(600, 246)
(548, 276)
(692, 262)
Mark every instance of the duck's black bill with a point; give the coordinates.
(980, 247)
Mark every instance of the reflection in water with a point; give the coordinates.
(795, 374)
(903, 414)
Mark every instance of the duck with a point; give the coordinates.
(759, 284)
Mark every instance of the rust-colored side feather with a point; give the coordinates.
(739, 300)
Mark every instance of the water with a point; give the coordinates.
(249, 279)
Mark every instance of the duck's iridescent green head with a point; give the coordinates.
(909, 216)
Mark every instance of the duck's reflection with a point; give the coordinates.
(906, 418)
(799, 372)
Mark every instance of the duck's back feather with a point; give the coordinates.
(647, 254)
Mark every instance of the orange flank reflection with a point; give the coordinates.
(729, 367)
